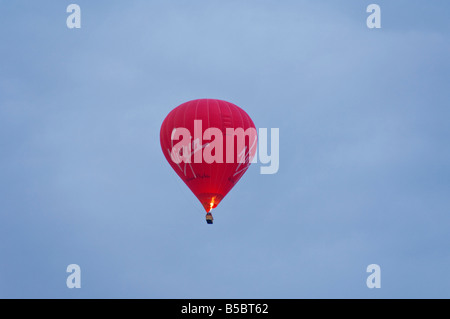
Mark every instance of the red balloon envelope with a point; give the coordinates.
(210, 144)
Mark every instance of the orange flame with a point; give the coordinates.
(211, 204)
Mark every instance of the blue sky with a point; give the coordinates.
(364, 175)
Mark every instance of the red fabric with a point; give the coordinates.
(209, 182)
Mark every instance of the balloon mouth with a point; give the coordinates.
(209, 200)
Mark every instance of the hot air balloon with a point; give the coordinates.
(210, 144)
